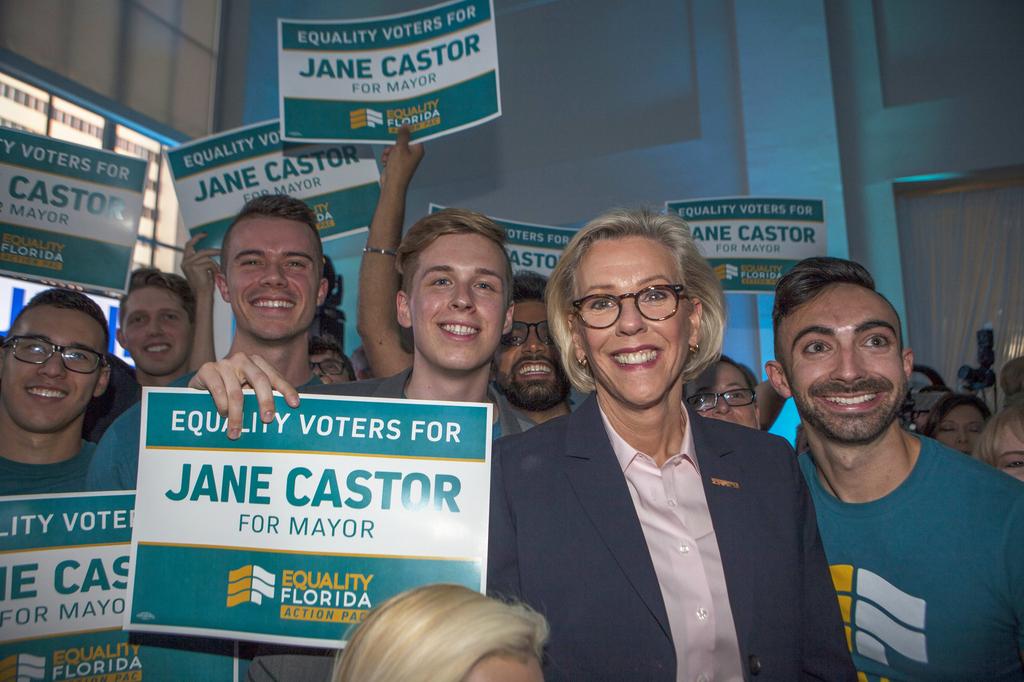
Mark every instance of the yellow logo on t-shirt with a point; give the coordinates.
(878, 616)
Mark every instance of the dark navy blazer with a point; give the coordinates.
(565, 539)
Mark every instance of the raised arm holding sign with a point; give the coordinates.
(382, 337)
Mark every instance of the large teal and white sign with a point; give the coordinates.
(63, 574)
(68, 213)
(215, 176)
(751, 242)
(529, 246)
(297, 529)
(435, 70)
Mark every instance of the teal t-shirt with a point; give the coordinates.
(930, 578)
(115, 466)
(19, 478)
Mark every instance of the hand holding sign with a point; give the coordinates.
(199, 267)
(226, 378)
(303, 525)
(400, 162)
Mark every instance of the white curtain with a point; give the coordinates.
(963, 267)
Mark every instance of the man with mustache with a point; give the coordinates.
(529, 372)
(924, 543)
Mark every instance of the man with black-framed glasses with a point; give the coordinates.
(727, 391)
(328, 362)
(53, 364)
(527, 369)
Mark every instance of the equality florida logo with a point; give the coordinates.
(38, 253)
(883, 623)
(325, 596)
(418, 116)
(726, 271)
(365, 118)
(250, 584)
(303, 594)
(22, 668)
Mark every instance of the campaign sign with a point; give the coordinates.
(751, 242)
(68, 213)
(435, 70)
(215, 176)
(63, 574)
(293, 532)
(531, 247)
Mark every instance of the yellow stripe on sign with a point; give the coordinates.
(77, 632)
(845, 604)
(62, 548)
(849, 637)
(237, 586)
(842, 577)
(311, 553)
(861, 677)
(329, 453)
(8, 667)
(238, 573)
(240, 598)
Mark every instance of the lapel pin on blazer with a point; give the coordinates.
(724, 483)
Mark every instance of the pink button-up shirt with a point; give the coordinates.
(673, 513)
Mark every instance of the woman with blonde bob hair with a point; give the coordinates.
(700, 283)
(1001, 444)
(445, 633)
(658, 544)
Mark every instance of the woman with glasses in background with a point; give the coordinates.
(659, 546)
(726, 390)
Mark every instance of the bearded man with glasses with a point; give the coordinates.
(527, 368)
(53, 365)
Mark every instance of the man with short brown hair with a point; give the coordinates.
(158, 316)
(272, 275)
